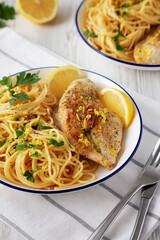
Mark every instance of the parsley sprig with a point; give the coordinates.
(20, 133)
(22, 146)
(55, 143)
(22, 78)
(6, 13)
(37, 127)
(115, 39)
(29, 174)
(90, 34)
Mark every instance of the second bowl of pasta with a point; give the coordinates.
(127, 32)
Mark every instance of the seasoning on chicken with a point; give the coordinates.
(147, 51)
(95, 131)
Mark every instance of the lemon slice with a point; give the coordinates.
(38, 11)
(61, 77)
(118, 102)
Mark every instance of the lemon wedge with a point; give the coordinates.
(118, 102)
(38, 11)
(60, 78)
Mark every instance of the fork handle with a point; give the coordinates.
(101, 229)
(144, 205)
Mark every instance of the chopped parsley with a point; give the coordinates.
(22, 146)
(90, 34)
(12, 101)
(34, 146)
(3, 142)
(34, 155)
(126, 5)
(125, 14)
(17, 119)
(44, 127)
(19, 133)
(29, 175)
(22, 78)
(118, 12)
(37, 127)
(115, 39)
(21, 127)
(55, 143)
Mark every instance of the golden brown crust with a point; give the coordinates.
(95, 131)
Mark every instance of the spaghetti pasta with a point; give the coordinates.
(118, 25)
(33, 152)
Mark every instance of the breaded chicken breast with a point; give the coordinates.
(95, 131)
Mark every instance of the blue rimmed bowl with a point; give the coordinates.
(131, 137)
(80, 22)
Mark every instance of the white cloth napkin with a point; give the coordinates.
(73, 216)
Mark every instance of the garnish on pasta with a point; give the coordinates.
(33, 151)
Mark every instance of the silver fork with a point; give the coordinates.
(150, 175)
(146, 198)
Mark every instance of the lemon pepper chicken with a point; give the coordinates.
(95, 131)
(147, 51)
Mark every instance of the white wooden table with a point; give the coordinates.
(61, 37)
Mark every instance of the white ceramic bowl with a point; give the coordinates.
(80, 20)
(131, 137)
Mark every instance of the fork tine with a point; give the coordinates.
(157, 162)
(154, 154)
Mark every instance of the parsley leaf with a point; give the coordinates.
(35, 155)
(44, 127)
(22, 96)
(22, 146)
(22, 78)
(28, 78)
(6, 81)
(90, 34)
(119, 33)
(119, 48)
(35, 146)
(6, 12)
(118, 12)
(37, 127)
(125, 14)
(19, 133)
(3, 91)
(125, 5)
(55, 143)
(115, 39)
(12, 101)
(21, 127)
(29, 176)
(19, 146)
(3, 142)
